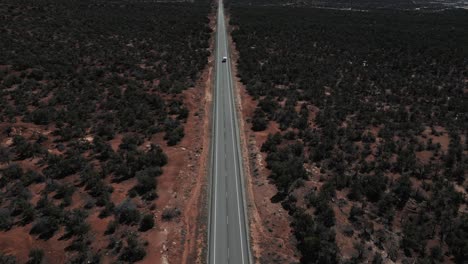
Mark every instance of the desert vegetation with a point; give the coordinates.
(355, 4)
(85, 87)
(370, 154)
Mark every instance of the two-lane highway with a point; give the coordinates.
(228, 235)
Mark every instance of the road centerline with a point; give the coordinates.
(228, 239)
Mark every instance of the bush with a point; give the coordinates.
(111, 227)
(7, 259)
(6, 220)
(259, 122)
(35, 256)
(128, 213)
(146, 182)
(147, 222)
(354, 213)
(130, 142)
(10, 80)
(5, 155)
(14, 171)
(44, 227)
(75, 223)
(169, 213)
(174, 136)
(134, 251)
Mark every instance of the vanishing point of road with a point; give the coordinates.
(228, 235)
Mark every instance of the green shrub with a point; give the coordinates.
(147, 222)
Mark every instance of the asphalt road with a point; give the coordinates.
(228, 235)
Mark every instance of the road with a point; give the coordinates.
(228, 235)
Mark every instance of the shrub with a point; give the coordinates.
(174, 136)
(10, 80)
(6, 220)
(45, 227)
(13, 171)
(35, 256)
(169, 213)
(146, 182)
(128, 213)
(147, 222)
(7, 259)
(259, 122)
(5, 155)
(111, 227)
(75, 223)
(134, 251)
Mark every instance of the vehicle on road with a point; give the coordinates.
(228, 234)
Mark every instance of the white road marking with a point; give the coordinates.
(216, 164)
(221, 28)
(235, 149)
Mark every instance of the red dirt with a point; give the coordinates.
(196, 212)
(183, 183)
(443, 139)
(270, 233)
(18, 242)
(344, 243)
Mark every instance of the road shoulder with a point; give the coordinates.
(267, 244)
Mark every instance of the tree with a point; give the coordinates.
(6, 221)
(374, 187)
(146, 182)
(147, 222)
(111, 227)
(75, 223)
(436, 253)
(402, 191)
(45, 227)
(36, 256)
(127, 213)
(377, 259)
(259, 122)
(11, 80)
(134, 251)
(5, 155)
(7, 259)
(174, 136)
(354, 213)
(170, 212)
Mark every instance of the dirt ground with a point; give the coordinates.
(17, 241)
(184, 181)
(181, 186)
(271, 236)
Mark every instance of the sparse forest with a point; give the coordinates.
(84, 87)
(370, 158)
(349, 4)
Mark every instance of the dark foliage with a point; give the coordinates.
(134, 250)
(355, 4)
(7, 259)
(75, 75)
(35, 256)
(362, 97)
(127, 213)
(147, 222)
